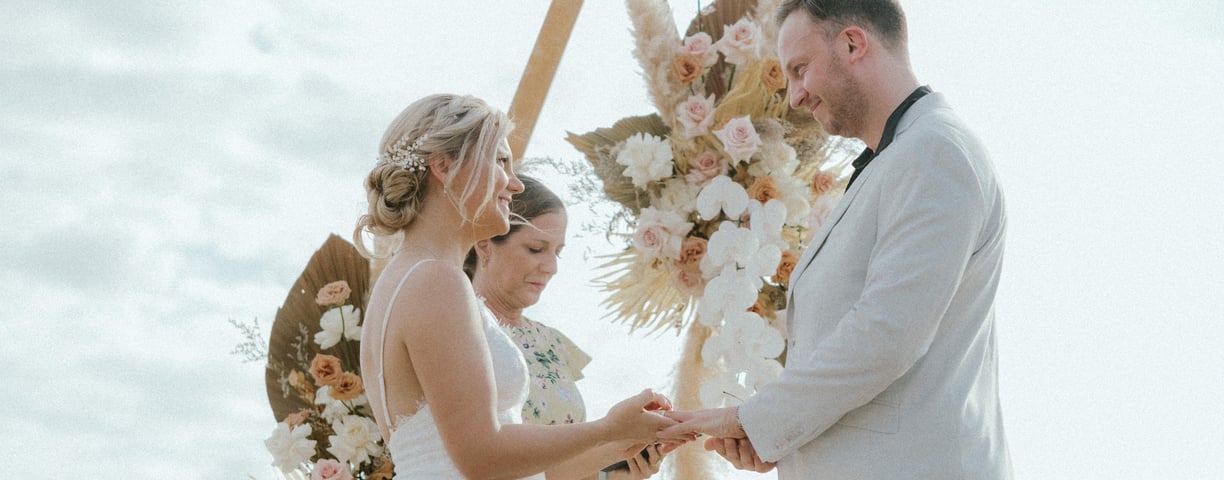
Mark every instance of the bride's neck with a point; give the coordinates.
(428, 241)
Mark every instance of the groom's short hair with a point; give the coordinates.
(882, 17)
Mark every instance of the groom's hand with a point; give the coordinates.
(740, 453)
(716, 422)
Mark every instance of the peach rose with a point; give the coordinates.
(706, 166)
(346, 387)
(772, 77)
(758, 308)
(822, 183)
(295, 419)
(331, 469)
(691, 252)
(786, 266)
(385, 471)
(739, 138)
(334, 293)
(764, 189)
(301, 385)
(687, 68)
(325, 369)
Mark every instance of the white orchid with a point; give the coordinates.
(733, 248)
(767, 221)
(356, 439)
(647, 158)
(290, 446)
(732, 291)
(722, 194)
(337, 324)
(762, 371)
(724, 390)
(795, 194)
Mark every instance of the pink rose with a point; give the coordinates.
(739, 138)
(695, 115)
(739, 42)
(335, 293)
(700, 45)
(688, 280)
(707, 165)
(660, 234)
(331, 469)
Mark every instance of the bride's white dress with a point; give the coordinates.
(415, 445)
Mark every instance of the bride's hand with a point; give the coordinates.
(639, 418)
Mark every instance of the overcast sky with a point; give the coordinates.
(168, 166)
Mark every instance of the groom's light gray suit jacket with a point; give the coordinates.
(891, 362)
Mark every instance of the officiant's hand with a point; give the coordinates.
(715, 422)
(740, 453)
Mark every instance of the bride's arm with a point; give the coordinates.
(444, 336)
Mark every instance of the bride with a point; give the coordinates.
(445, 382)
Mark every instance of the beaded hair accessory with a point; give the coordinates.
(406, 156)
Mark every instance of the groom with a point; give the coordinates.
(891, 369)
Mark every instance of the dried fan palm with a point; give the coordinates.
(597, 147)
(291, 345)
(642, 297)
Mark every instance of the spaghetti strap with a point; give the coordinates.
(382, 384)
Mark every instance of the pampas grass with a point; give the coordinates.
(656, 42)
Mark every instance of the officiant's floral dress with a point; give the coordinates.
(554, 363)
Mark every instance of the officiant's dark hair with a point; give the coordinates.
(882, 17)
(535, 200)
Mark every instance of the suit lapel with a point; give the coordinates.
(822, 235)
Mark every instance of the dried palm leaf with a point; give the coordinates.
(599, 148)
(291, 345)
(642, 296)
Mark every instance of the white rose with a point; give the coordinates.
(677, 195)
(648, 158)
(774, 158)
(339, 323)
(356, 439)
(290, 446)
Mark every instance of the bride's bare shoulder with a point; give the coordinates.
(436, 291)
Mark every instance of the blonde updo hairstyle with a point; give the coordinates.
(461, 128)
